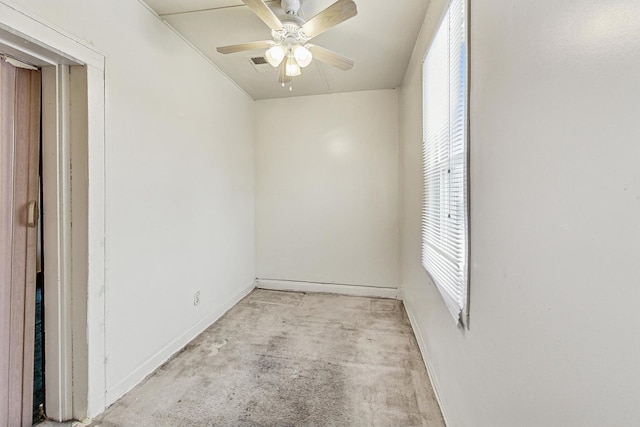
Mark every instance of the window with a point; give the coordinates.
(445, 141)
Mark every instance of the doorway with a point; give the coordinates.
(29, 185)
(72, 149)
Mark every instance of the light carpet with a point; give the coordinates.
(290, 359)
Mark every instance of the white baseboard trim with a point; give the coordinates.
(331, 288)
(154, 362)
(425, 358)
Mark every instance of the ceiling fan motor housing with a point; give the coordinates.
(290, 7)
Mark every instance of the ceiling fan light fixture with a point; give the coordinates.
(303, 55)
(292, 68)
(274, 55)
(288, 50)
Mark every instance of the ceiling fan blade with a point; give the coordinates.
(330, 57)
(262, 10)
(264, 44)
(283, 78)
(338, 12)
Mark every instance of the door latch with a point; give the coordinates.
(32, 214)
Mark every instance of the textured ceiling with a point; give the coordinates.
(379, 39)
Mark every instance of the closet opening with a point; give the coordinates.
(61, 376)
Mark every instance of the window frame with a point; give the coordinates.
(463, 318)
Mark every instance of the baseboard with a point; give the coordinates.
(149, 366)
(425, 358)
(331, 288)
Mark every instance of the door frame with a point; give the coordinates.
(73, 133)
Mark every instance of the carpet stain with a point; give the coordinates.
(215, 347)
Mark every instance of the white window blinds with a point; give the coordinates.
(444, 214)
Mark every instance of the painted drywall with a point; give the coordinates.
(327, 189)
(555, 202)
(179, 182)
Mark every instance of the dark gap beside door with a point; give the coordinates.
(38, 362)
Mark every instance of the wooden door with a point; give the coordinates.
(19, 163)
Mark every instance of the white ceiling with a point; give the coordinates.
(380, 39)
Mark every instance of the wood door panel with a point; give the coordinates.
(7, 118)
(19, 256)
(19, 151)
(33, 83)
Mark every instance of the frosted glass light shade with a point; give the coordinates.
(275, 55)
(293, 69)
(303, 56)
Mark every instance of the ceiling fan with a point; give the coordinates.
(290, 49)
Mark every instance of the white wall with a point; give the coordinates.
(555, 235)
(180, 184)
(327, 189)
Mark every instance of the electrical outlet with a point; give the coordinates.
(196, 298)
